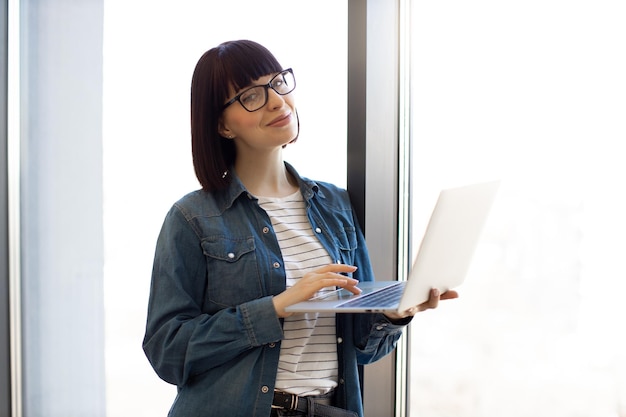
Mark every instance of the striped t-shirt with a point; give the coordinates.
(308, 354)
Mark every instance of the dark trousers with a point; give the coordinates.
(314, 406)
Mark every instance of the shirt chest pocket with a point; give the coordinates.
(346, 241)
(232, 271)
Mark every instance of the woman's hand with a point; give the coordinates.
(312, 282)
(433, 302)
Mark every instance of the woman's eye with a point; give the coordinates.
(250, 97)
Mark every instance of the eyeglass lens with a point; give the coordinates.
(256, 97)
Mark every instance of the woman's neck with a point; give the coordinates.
(266, 177)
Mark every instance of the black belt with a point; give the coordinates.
(287, 401)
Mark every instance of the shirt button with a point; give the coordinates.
(272, 345)
(231, 255)
(341, 381)
(339, 340)
(265, 389)
(318, 230)
(379, 327)
(266, 229)
(276, 265)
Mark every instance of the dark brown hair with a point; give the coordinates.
(233, 64)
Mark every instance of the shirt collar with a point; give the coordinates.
(236, 188)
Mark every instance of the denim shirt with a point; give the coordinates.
(212, 329)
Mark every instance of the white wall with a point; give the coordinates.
(61, 209)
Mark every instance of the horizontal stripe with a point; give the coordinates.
(308, 356)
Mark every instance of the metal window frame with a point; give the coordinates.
(5, 344)
(14, 209)
(379, 167)
(10, 314)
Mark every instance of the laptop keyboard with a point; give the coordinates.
(385, 298)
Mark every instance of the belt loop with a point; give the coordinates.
(310, 410)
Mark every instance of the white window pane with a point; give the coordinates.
(531, 93)
(150, 51)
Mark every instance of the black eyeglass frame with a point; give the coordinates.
(266, 86)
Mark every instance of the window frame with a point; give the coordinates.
(5, 345)
(374, 173)
(378, 168)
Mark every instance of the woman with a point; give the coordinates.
(257, 238)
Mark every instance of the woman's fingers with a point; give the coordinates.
(432, 302)
(449, 295)
(350, 285)
(327, 276)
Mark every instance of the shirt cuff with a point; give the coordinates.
(261, 322)
(398, 322)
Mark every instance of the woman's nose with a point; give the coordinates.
(274, 100)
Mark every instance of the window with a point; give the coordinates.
(104, 150)
(531, 93)
(147, 146)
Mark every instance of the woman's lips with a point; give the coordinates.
(281, 121)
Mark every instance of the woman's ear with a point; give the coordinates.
(224, 131)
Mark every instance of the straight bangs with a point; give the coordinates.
(243, 62)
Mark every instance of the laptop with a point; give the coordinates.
(442, 261)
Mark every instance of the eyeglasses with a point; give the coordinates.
(254, 98)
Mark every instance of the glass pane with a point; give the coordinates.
(531, 93)
(150, 51)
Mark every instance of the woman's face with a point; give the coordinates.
(273, 125)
